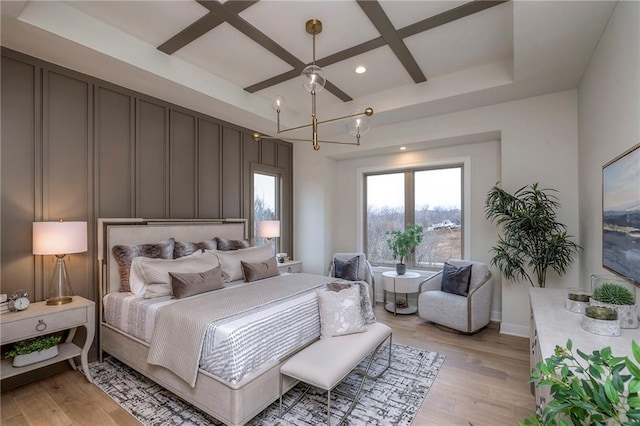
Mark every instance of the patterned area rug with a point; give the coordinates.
(393, 399)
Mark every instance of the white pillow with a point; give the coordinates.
(153, 274)
(230, 260)
(340, 312)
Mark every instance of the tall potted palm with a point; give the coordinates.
(531, 236)
(403, 243)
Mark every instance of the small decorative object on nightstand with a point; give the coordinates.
(406, 283)
(290, 266)
(19, 301)
(40, 320)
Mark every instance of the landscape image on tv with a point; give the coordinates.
(621, 215)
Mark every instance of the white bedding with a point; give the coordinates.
(235, 346)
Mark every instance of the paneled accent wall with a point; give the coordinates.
(78, 148)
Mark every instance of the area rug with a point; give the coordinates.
(393, 399)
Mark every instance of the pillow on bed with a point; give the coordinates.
(365, 298)
(340, 312)
(227, 245)
(230, 260)
(154, 273)
(259, 270)
(347, 270)
(192, 283)
(125, 254)
(181, 249)
(138, 280)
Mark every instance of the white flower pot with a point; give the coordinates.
(627, 314)
(33, 357)
(601, 327)
(575, 306)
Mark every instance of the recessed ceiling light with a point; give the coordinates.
(403, 148)
(361, 70)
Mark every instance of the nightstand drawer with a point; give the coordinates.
(290, 266)
(43, 324)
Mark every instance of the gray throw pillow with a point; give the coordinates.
(125, 254)
(340, 312)
(192, 283)
(181, 249)
(455, 280)
(228, 245)
(259, 270)
(347, 270)
(365, 298)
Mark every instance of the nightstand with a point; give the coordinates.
(394, 283)
(40, 319)
(291, 266)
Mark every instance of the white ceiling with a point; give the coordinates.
(513, 50)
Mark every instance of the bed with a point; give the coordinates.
(233, 391)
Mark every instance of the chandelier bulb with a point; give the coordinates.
(312, 78)
(278, 103)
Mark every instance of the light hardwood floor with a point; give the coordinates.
(482, 381)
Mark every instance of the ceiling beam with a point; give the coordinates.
(263, 40)
(201, 27)
(383, 24)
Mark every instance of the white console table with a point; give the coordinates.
(552, 325)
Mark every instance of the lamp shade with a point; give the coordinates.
(59, 237)
(269, 228)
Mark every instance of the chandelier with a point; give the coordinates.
(313, 81)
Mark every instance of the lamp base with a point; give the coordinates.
(59, 300)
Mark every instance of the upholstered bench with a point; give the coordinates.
(327, 362)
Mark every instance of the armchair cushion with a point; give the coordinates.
(347, 270)
(456, 279)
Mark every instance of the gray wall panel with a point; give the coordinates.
(184, 170)
(231, 173)
(151, 160)
(268, 148)
(18, 176)
(209, 170)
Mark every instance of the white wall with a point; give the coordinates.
(609, 120)
(538, 143)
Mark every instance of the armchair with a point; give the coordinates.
(365, 272)
(466, 314)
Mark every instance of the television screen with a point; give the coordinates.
(621, 215)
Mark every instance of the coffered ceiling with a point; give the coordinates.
(231, 59)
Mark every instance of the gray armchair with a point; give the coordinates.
(465, 314)
(365, 272)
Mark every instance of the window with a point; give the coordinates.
(431, 198)
(265, 201)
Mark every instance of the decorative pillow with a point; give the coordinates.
(347, 270)
(138, 280)
(365, 298)
(154, 273)
(230, 260)
(125, 254)
(181, 249)
(259, 270)
(455, 280)
(340, 312)
(227, 245)
(192, 283)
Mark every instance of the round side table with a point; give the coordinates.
(394, 283)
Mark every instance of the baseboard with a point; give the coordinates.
(515, 330)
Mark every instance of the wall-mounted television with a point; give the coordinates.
(621, 215)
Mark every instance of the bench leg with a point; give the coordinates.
(329, 407)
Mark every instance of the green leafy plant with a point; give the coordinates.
(532, 236)
(37, 344)
(403, 243)
(589, 389)
(614, 294)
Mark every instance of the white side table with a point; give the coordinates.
(290, 266)
(40, 319)
(394, 283)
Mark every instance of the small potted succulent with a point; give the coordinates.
(617, 296)
(577, 300)
(34, 350)
(601, 320)
(403, 243)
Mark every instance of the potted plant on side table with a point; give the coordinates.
(403, 243)
(34, 350)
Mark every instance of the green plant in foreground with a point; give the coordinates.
(402, 243)
(614, 294)
(589, 389)
(33, 345)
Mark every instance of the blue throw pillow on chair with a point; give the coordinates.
(347, 270)
(456, 279)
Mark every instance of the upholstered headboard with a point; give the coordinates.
(132, 231)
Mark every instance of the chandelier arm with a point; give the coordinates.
(344, 117)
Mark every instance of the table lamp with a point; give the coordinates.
(59, 239)
(269, 229)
